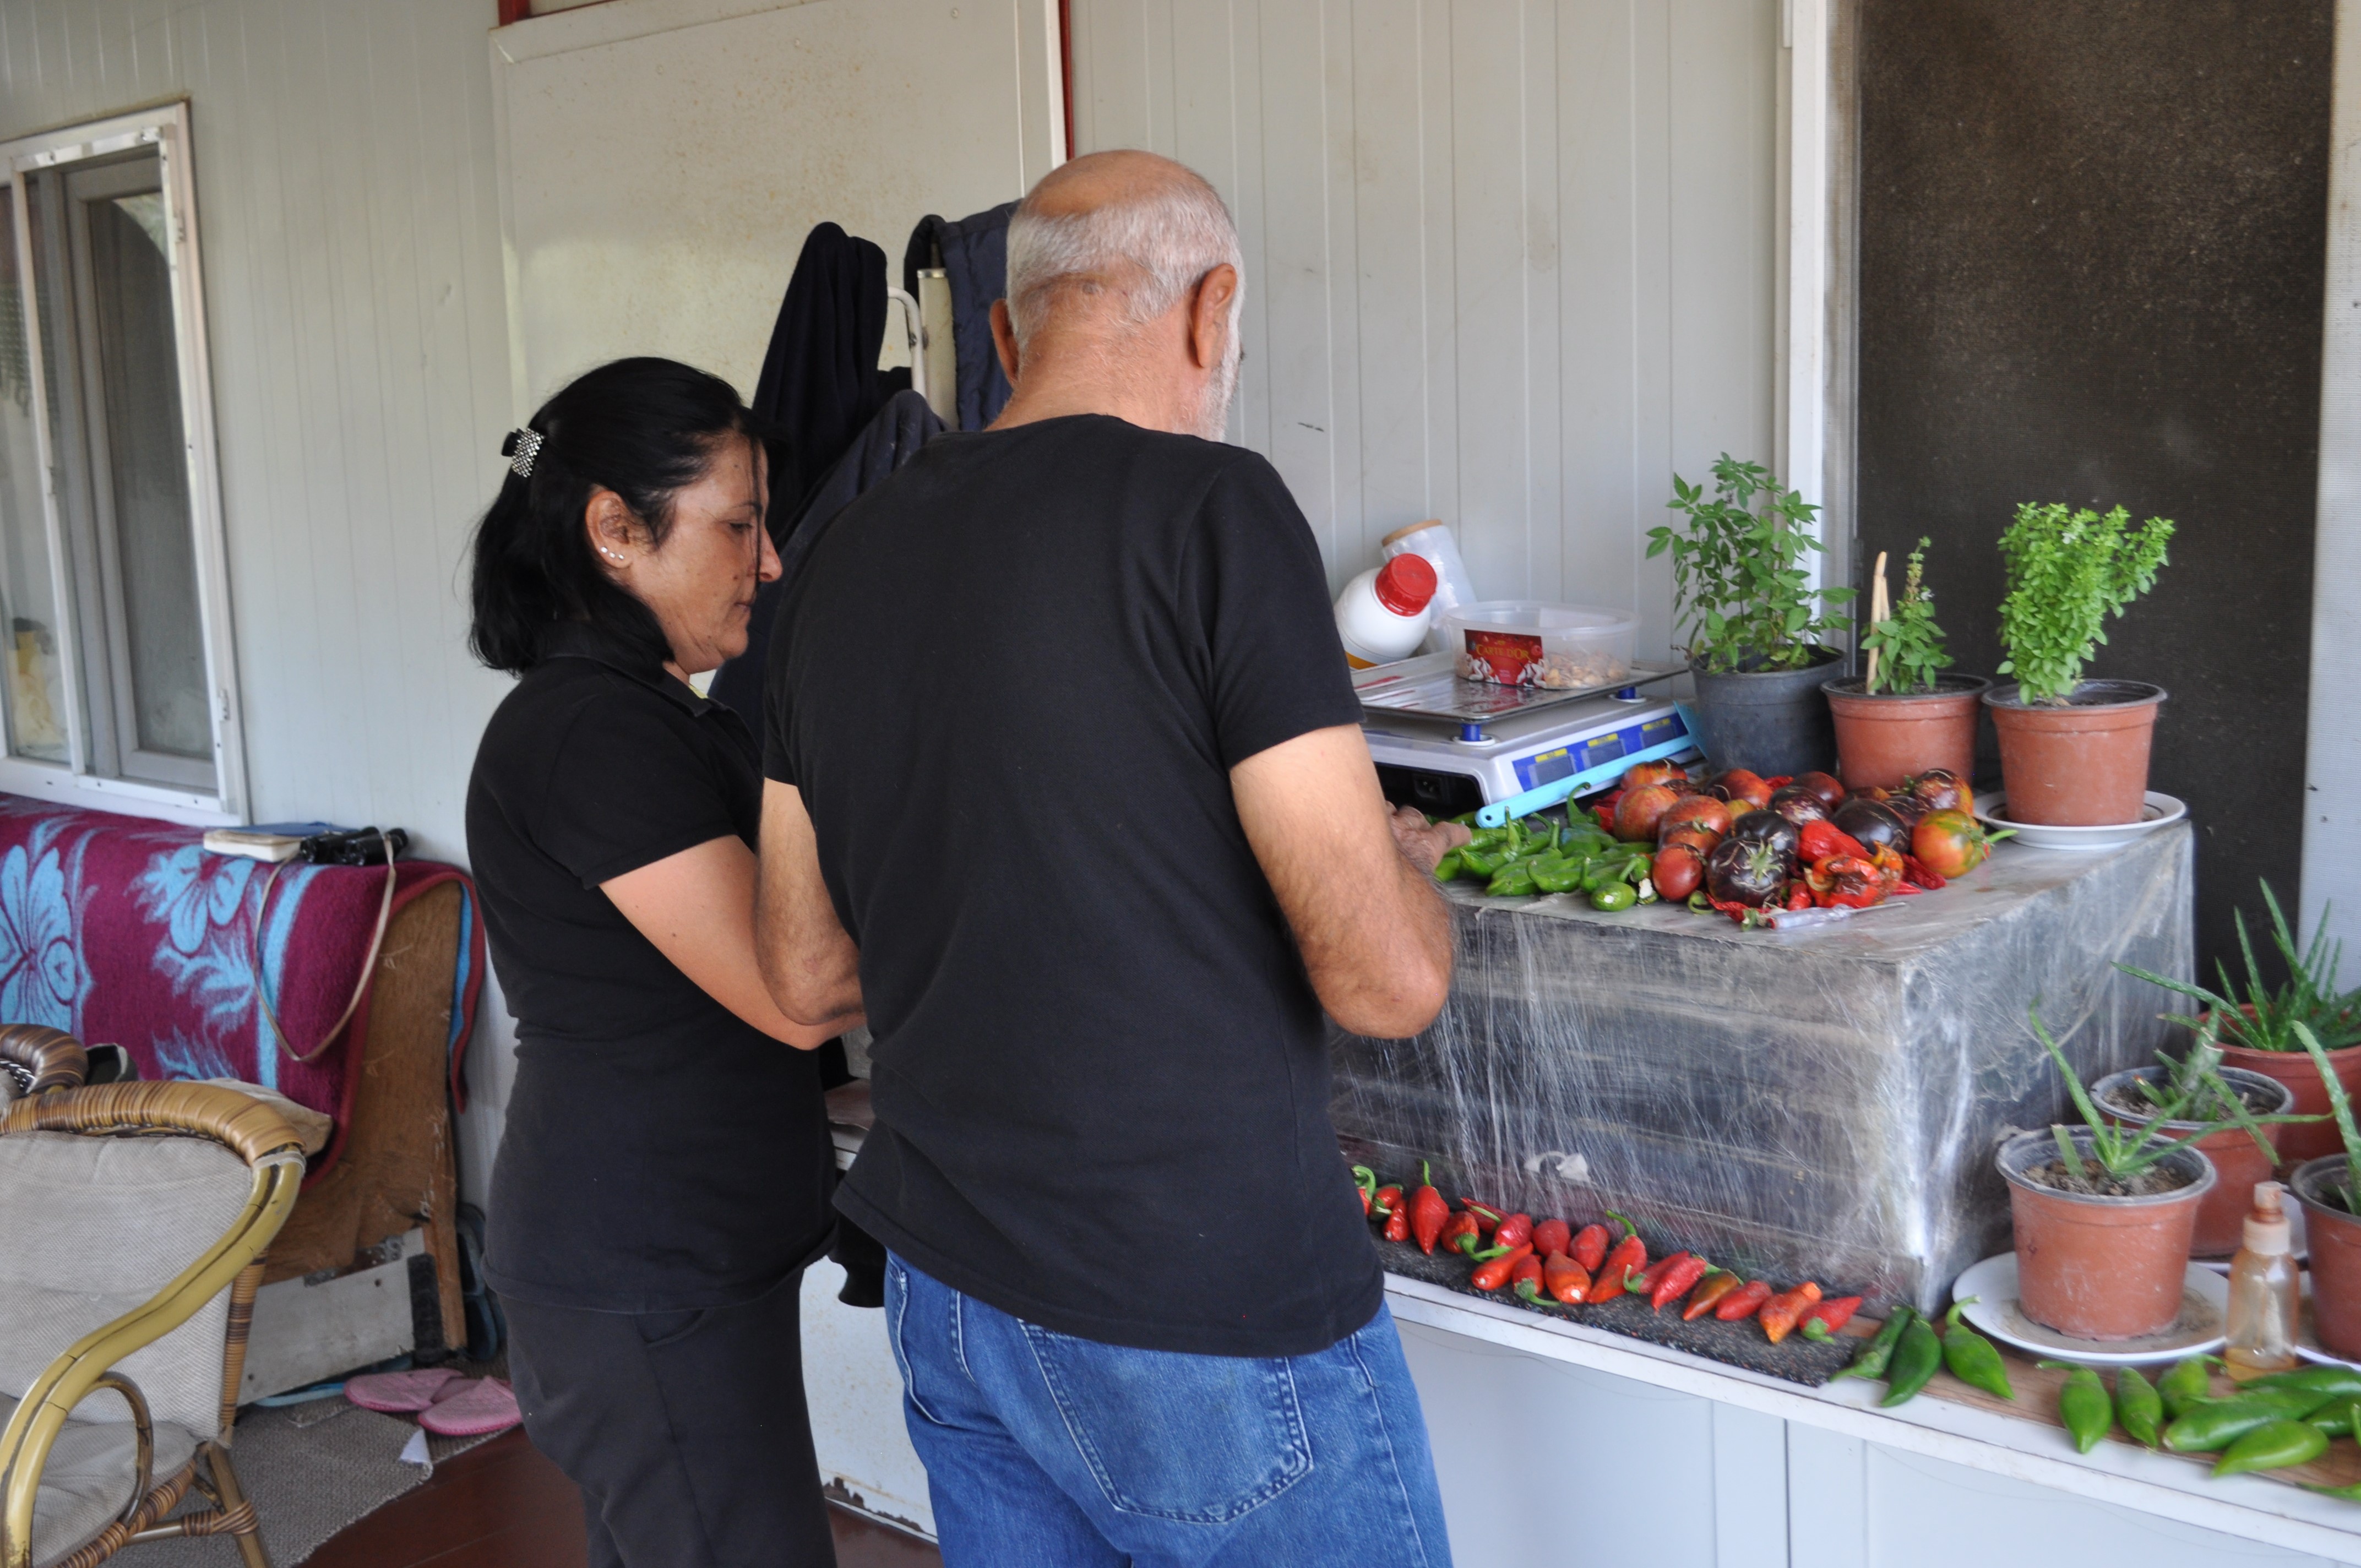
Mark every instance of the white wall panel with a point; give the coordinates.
(1510, 265)
(342, 151)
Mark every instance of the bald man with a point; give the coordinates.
(1067, 790)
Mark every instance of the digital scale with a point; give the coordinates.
(1449, 746)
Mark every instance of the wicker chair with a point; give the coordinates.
(35, 1060)
(137, 1219)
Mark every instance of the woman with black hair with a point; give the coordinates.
(665, 1171)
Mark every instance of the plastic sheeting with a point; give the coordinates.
(1818, 1103)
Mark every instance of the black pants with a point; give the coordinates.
(687, 1431)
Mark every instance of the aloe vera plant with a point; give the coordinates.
(2340, 1106)
(2124, 1151)
(2265, 1017)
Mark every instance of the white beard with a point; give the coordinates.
(1214, 405)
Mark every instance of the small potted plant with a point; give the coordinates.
(2073, 753)
(2258, 1031)
(1752, 620)
(1903, 717)
(2103, 1214)
(2185, 1096)
(2329, 1188)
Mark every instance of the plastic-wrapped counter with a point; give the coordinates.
(1819, 1102)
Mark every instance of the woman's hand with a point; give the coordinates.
(698, 907)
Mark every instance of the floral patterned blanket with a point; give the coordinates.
(124, 930)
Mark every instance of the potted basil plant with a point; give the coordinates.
(2073, 753)
(1754, 622)
(1903, 716)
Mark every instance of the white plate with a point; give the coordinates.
(2162, 811)
(2205, 1297)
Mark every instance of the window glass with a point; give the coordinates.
(31, 679)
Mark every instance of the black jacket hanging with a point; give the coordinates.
(819, 383)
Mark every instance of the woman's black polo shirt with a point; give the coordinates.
(659, 1153)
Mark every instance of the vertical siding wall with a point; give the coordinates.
(1509, 265)
(350, 228)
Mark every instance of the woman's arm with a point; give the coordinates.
(698, 907)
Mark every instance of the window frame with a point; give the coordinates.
(165, 128)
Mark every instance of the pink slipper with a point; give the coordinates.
(398, 1393)
(478, 1409)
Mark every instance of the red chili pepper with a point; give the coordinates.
(1780, 1312)
(1567, 1280)
(1800, 896)
(1821, 840)
(1590, 1249)
(1397, 1225)
(1514, 1231)
(1708, 1294)
(1487, 1217)
(1365, 1181)
(1385, 1201)
(1428, 1211)
(1642, 1283)
(1459, 1235)
(1823, 1321)
(1676, 1281)
(1743, 1302)
(1916, 874)
(1494, 1274)
(1525, 1280)
(1551, 1237)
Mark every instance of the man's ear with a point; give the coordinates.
(1004, 339)
(1209, 315)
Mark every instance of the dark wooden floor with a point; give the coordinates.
(504, 1505)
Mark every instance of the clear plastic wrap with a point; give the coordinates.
(1818, 1104)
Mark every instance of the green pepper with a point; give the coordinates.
(1514, 880)
(2336, 1420)
(2330, 1382)
(1972, 1357)
(1480, 861)
(2187, 1382)
(1916, 1357)
(1615, 895)
(2214, 1424)
(2274, 1445)
(1447, 867)
(1556, 874)
(2139, 1408)
(2083, 1405)
(1877, 1351)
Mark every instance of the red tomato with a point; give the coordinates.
(1691, 836)
(1704, 811)
(1739, 784)
(1637, 814)
(1677, 872)
(1949, 843)
(1944, 790)
(1640, 775)
(1821, 785)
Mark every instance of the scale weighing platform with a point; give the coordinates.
(1449, 747)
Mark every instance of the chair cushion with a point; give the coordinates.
(87, 1481)
(94, 1227)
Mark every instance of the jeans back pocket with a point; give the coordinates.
(1197, 1439)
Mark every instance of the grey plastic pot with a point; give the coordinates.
(1767, 721)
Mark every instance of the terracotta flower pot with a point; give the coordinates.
(1883, 739)
(2308, 1140)
(2334, 1237)
(2082, 763)
(2101, 1269)
(2238, 1163)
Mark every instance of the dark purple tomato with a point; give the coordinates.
(1747, 871)
(1799, 804)
(1767, 828)
(1874, 823)
(1821, 785)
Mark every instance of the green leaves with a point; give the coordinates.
(2067, 572)
(1738, 574)
(1908, 643)
(2125, 1150)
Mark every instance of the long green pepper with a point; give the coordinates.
(2185, 1385)
(2139, 1408)
(1973, 1358)
(1916, 1357)
(1879, 1350)
(2214, 1424)
(2083, 1405)
(2330, 1382)
(2274, 1445)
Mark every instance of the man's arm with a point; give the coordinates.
(807, 961)
(698, 907)
(1353, 877)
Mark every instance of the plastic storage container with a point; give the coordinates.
(1523, 643)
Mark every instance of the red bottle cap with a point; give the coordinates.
(1405, 584)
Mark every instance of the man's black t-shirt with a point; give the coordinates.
(1010, 686)
(659, 1154)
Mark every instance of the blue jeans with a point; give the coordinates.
(1044, 1450)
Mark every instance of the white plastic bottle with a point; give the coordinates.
(1383, 614)
(2263, 1304)
(1453, 586)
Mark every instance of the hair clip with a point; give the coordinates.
(521, 448)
